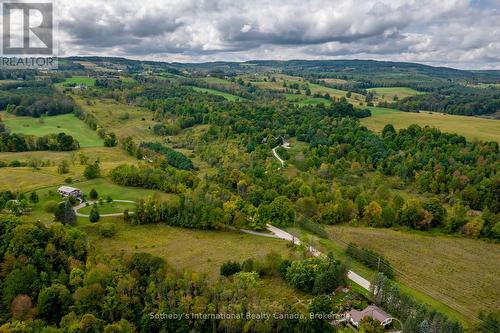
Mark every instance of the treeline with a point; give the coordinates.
(370, 259)
(416, 317)
(166, 179)
(17, 142)
(174, 158)
(34, 99)
(455, 99)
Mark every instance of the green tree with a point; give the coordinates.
(94, 214)
(93, 194)
(229, 268)
(65, 214)
(54, 302)
(92, 171)
(34, 197)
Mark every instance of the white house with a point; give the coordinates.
(67, 191)
(355, 316)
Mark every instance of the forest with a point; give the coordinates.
(231, 149)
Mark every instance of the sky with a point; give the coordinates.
(456, 33)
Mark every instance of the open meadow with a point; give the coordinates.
(388, 93)
(66, 123)
(473, 128)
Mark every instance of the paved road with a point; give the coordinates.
(84, 204)
(289, 237)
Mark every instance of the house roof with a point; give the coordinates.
(370, 311)
(67, 189)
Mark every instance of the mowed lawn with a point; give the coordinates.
(461, 273)
(199, 251)
(470, 127)
(66, 123)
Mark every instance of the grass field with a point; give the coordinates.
(388, 93)
(66, 123)
(81, 80)
(103, 188)
(186, 249)
(218, 93)
(26, 178)
(109, 207)
(423, 261)
(302, 100)
(123, 119)
(470, 127)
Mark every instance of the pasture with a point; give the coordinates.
(388, 93)
(423, 261)
(24, 179)
(227, 96)
(200, 251)
(66, 123)
(473, 128)
(105, 207)
(78, 80)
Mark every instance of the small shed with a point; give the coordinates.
(372, 311)
(67, 191)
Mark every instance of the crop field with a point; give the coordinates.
(423, 261)
(388, 93)
(470, 127)
(66, 123)
(227, 96)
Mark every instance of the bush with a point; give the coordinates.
(107, 229)
(50, 206)
(229, 268)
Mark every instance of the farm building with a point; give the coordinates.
(355, 316)
(67, 191)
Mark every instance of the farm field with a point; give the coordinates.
(66, 123)
(227, 96)
(470, 127)
(388, 93)
(463, 275)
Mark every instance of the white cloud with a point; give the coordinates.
(440, 32)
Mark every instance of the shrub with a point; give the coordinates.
(107, 229)
(50, 206)
(229, 268)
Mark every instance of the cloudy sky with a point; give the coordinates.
(456, 33)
